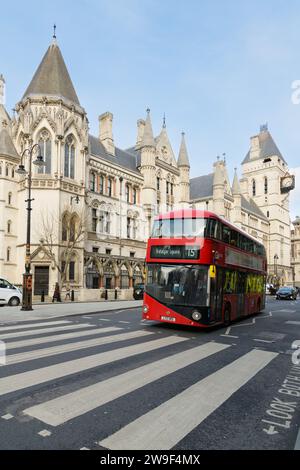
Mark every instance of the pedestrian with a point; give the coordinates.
(56, 294)
(68, 292)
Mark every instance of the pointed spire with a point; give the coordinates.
(7, 147)
(148, 139)
(236, 189)
(164, 121)
(52, 77)
(2, 89)
(183, 159)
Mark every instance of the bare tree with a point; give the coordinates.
(61, 238)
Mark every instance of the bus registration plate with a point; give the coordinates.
(168, 318)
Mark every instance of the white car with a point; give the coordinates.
(9, 294)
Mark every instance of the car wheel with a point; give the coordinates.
(14, 302)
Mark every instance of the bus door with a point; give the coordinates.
(216, 294)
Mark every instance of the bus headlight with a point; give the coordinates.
(145, 309)
(196, 315)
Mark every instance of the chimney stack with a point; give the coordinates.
(105, 132)
(254, 147)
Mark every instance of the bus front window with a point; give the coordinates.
(178, 285)
(178, 228)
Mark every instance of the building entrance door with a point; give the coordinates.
(41, 280)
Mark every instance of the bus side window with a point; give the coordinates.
(211, 228)
(225, 234)
(233, 238)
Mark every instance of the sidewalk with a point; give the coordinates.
(56, 310)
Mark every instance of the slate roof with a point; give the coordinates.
(123, 158)
(251, 206)
(7, 147)
(52, 77)
(201, 186)
(268, 148)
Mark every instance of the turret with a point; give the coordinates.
(184, 171)
(237, 196)
(219, 188)
(148, 170)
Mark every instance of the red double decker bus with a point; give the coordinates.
(202, 270)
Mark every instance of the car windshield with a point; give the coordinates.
(285, 289)
(178, 285)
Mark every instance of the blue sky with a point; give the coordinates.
(217, 69)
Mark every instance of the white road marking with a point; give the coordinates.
(34, 325)
(293, 322)
(264, 341)
(77, 346)
(164, 426)
(59, 410)
(297, 443)
(7, 416)
(54, 338)
(229, 336)
(104, 319)
(46, 374)
(44, 331)
(45, 433)
(125, 322)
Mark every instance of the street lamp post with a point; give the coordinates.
(120, 214)
(27, 276)
(275, 266)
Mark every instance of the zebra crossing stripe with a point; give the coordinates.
(163, 427)
(33, 325)
(44, 331)
(66, 407)
(77, 346)
(23, 380)
(52, 339)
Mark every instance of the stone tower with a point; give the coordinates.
(50, 114)
(148, 170)
(184, 174)
(219, 188)
(267, 181)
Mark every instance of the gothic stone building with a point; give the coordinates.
(94, 203)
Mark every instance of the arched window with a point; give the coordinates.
(109, 187)
(9, 226)
(73, 229)
(6, 170)
(13, 173)
(101, 184)
(92, 181)
(134, 195)
(69, 166)
(45, 148)
(127, 193)
(64, 229)
(8, 255)
(266, 185)
(9, 198)
(253, 188)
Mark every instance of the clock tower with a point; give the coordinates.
(266, 180)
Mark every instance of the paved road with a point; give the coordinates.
(111, 381)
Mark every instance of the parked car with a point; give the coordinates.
(286, 293)
(9, 294)
(138, 291)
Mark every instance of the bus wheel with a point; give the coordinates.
(227, 315)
